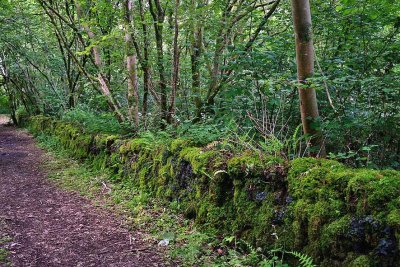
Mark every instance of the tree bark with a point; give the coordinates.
(196, 52)
(145, 62)
(158, 15)
(305, 69)
(175, 64)
(133, 90)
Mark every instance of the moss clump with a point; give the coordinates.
(250, 164)
(339, 210)
(333, 233)
(254, 217)
(178, 144)
(393, 219)
(375, 191)
(40, 124)
(361, 261)
(199, 160)
(135, 145)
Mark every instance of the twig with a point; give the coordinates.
(106, 187)
(325, 84)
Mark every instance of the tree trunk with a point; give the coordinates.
(175, 63)
(196, 50)
(158, 17)
(145, 63)
(133, 90)
(305, 69)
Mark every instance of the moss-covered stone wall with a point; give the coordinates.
(338, 215)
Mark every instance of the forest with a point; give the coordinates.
(271, 128)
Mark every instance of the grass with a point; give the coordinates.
(4, 240)
(3, 255)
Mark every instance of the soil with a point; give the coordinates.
(50, 227)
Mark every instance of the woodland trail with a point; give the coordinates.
(50, 227)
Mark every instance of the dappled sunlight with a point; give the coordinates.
(5, 120)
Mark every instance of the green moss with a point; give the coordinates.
(104, 142)
(250, 164)
(178, 144)
(99, 161)
(305, 35)
(314, 178)
(198, 159)
(39, 124)
(165, 175)
(328, 195)
(245, 209)
(361, 261)
(374, 191)
(212, 217)
(335, 231)
(393, 218)
(143, 174)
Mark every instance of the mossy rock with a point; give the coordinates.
(340, 210)
(250, 164)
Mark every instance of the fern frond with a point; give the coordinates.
(304, 260)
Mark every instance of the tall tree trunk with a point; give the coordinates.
(145, 63)
(133, 90)
(158, 15)
(175, 64)
(196, 50)
(305, 69)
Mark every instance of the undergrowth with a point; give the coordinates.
(4, 105)
(161, 221)
(94, 122)
(4, 241)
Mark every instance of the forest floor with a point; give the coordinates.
(43, 225)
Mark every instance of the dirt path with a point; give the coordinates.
(50, 227)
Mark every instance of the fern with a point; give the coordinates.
(304, 260)
(248, 246)
(293, 142)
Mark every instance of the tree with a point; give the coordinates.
(133, 90)
(103, 81)
(305, 69)
(158, 14)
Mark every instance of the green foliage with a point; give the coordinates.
(92, 122)
(203, 133)
(4, 241)
(304, 260)
(22, 116)
(3, 256)
(4, 105)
